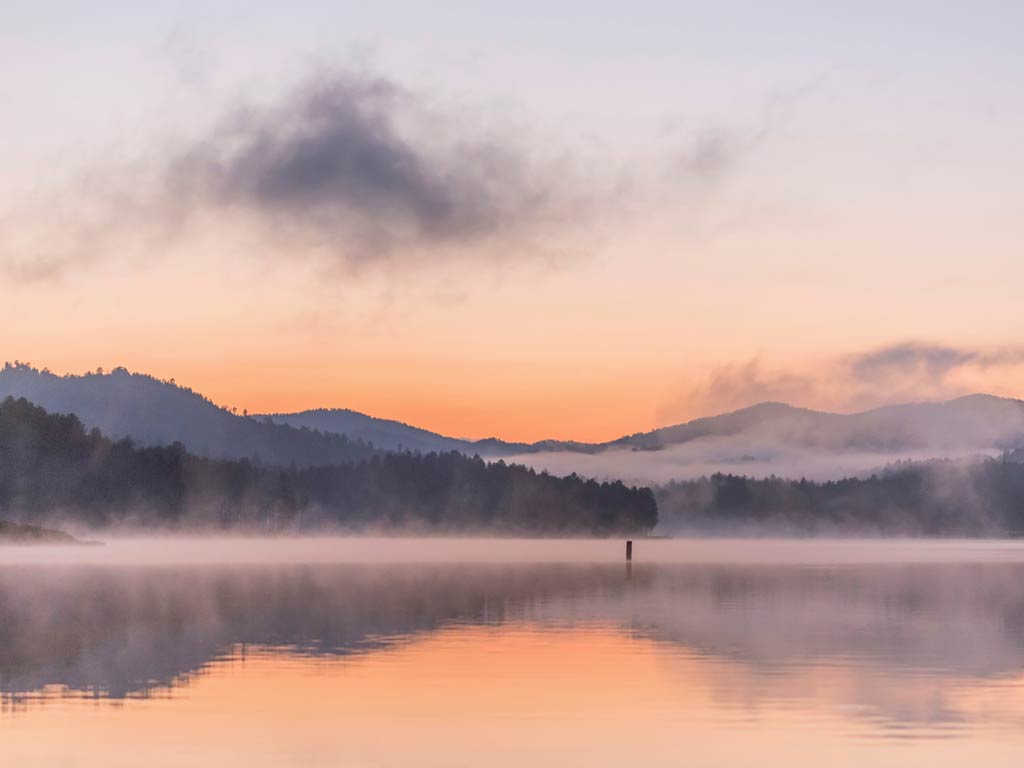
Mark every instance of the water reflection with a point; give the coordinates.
(924, 651)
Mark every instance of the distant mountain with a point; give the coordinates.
(778, 439)
(153, 412)
(975, 422)
(971, 421)
(391, 435)
(764, 439)
(734, 423)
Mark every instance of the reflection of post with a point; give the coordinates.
(629, 551)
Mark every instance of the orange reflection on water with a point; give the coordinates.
(515, 695)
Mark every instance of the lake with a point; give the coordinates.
(400, 652)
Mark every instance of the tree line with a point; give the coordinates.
(54, 470)
(933, 498)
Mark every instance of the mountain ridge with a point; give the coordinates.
(728, 423)
(121, 404)
(155, 412)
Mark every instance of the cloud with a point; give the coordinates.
(351, 166)
(733, 386)
(710, 157)
(712, 154)
(897, 373)
(351, 169)
(932, 360)
(909, 358)
(349, 163)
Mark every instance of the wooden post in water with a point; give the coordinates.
(629, 551)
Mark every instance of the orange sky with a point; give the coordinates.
(590, 351)
(529, 258)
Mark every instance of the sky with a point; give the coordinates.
(573, 220)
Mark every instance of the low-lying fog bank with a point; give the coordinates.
(703, 458)
(171, 550)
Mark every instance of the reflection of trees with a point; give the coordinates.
(963, 618)
(130, 631)
(119, 632)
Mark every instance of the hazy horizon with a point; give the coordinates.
(850, 409)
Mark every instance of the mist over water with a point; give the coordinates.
(184, 551)
(396, 651)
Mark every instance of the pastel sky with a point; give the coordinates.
(529, 220)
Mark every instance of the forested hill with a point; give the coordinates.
(153, 412)
(52, 470)
(934, 498)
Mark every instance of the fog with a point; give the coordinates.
(737, 455)
(780, 440)
(125, 550)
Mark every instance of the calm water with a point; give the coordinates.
(482, 653)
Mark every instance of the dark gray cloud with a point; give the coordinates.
(349, 167)
(356, 164)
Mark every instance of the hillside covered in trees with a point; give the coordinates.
(53, 470)
(935, 498)
(153, 412)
